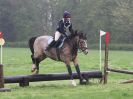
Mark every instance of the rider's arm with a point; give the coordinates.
(60, 27)
(71, 29)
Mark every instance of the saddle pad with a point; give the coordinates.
(50, 39)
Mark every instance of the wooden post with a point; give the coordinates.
(1, 77)
(106, 64)
(107, 38)
(2, 89)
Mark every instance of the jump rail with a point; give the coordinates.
(24, 80)
(120, 71)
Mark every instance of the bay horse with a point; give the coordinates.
(67, 53)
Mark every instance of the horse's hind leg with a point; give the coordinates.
(33, 64)
(37, 61)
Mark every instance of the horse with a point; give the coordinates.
(67, 53)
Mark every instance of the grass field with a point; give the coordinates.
(17, 62)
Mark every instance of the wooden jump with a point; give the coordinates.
(127, 81)
(120, 71)
(107, 68)
(24, 80)
(2, 89)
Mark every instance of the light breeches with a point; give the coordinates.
(57, 35)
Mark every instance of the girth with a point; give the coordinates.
(58, 53)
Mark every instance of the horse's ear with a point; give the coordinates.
(76, 32)
(81, 35)
(85, 36)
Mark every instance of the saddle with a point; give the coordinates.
(59, 43)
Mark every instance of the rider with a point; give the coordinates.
(63, 25)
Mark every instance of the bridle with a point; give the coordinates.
(82, 48)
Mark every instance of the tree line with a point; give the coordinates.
(22, 19)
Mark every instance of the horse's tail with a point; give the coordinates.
(31, 43)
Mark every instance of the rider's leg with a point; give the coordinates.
(57, 36)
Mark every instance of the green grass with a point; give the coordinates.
(17, 62)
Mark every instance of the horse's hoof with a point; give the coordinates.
(35, 72)
(83, 82)
(32, 71)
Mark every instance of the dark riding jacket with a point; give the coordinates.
(63, 26)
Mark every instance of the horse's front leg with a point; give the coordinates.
(70, 73)
(82, 80)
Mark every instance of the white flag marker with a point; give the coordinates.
(102, 33)
(2, 42)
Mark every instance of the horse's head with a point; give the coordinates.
(82, 43)
(80, 39)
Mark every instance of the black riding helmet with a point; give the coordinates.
(66, 14)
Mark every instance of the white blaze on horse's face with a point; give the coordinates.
(85, 43)
(86, 50)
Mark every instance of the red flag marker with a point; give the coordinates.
(107, 38)
(1, 35)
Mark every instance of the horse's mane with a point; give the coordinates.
(71, 41)
(77, 33)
